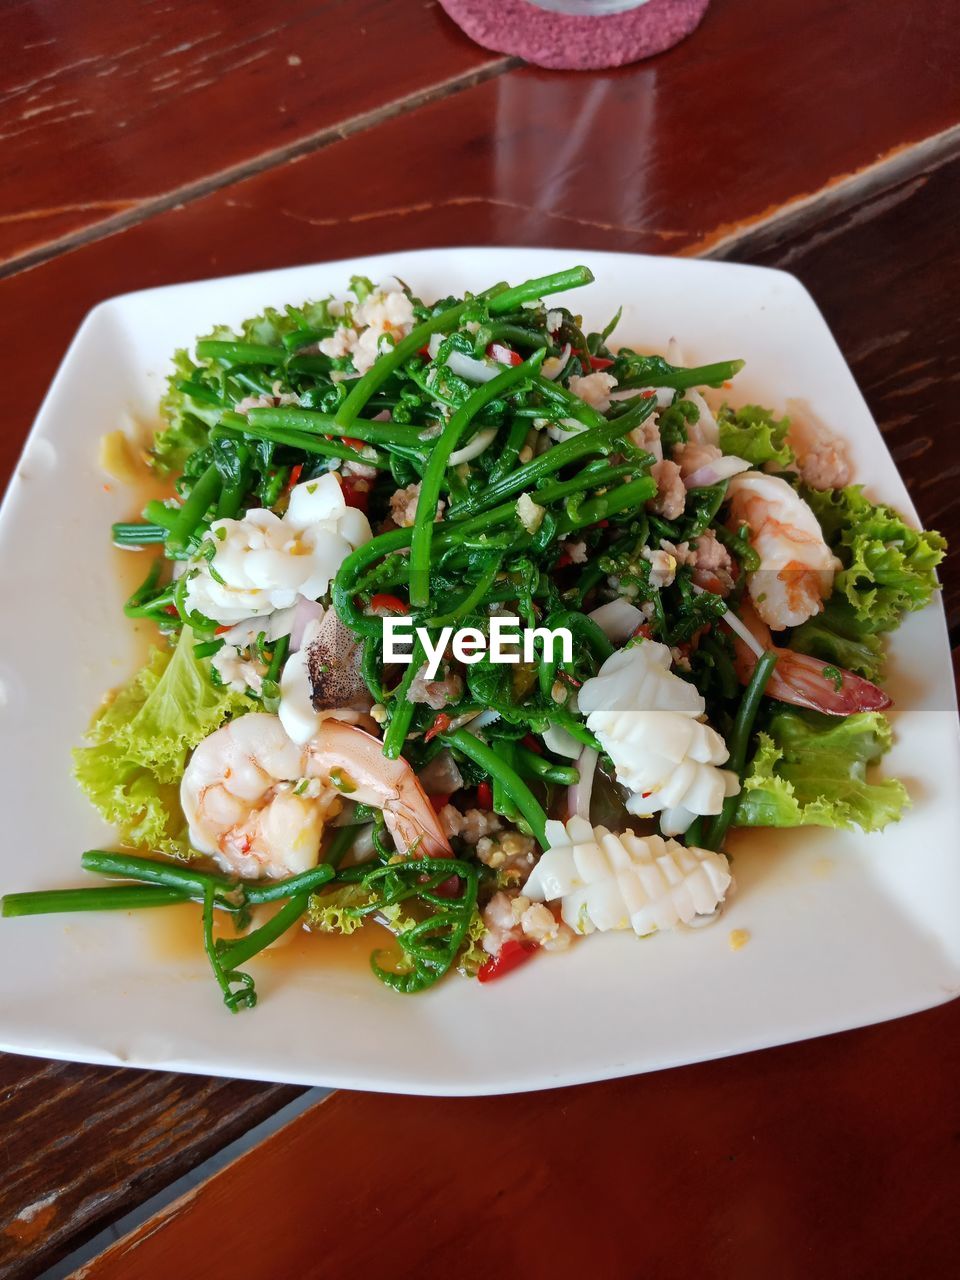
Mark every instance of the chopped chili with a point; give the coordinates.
(510, 956)
(392, 604)
(439, 725)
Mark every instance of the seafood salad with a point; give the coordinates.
(346, 472)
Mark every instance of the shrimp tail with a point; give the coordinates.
(354, 761)
(804, 681)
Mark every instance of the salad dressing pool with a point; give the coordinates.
(175, 934)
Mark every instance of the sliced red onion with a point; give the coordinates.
(305, 611)
(578, 796)
(441, 776)
(618, 620)
(560, 742)
(734, 623)
(382, 416)
(473, 370)
(553, 366)
(705, 430)
(720, 469)
(481, 441)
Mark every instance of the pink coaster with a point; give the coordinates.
(567, 43)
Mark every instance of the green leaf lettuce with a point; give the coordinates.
(136, 747)
(810, 770)
(888, 569)
(754, 434)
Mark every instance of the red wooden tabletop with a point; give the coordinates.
(173, 140)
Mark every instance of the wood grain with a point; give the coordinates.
(180, 91)
(749, 114)
(82, 1145)
(835, 1158)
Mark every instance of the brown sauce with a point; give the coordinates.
(176, 934)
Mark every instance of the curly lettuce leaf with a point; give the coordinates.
(837, 637)
(809, 770)
(272, 326)
(189, 418)
(472, 954)
(335, 910)
(136, 747)
(192, 403)
(754, 434)
(888, 569)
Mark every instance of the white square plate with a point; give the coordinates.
(845, 929)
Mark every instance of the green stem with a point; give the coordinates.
(203, 494)
(564, 775)
(420, 546)
(572, 406)
(137, 534)
(245, 948)
(115, 898)
(390, 361)
(246, 996)
(626, 497)
(403, 708)
(158, 513)
(314, 422)
(534, 290)
(234, 424)
(240, 352)
(598, 439)
(279, 656)
(184, 879)
(345, 583)
(514, 786)
(275, 890)
(705, 375)
(527, 339)
(473, 597)
(341, 844)
(738, 742)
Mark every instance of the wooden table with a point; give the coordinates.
(174, 140)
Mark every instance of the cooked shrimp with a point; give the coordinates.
(804, 681)
(796, 565)
(354, 761)
(258, 803)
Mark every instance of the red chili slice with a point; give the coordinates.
(356, 492)
(510, 956)
(393, 604)
(503, 355)
(484, 795)
(599, 362)
(441, 723)
(439, 801)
